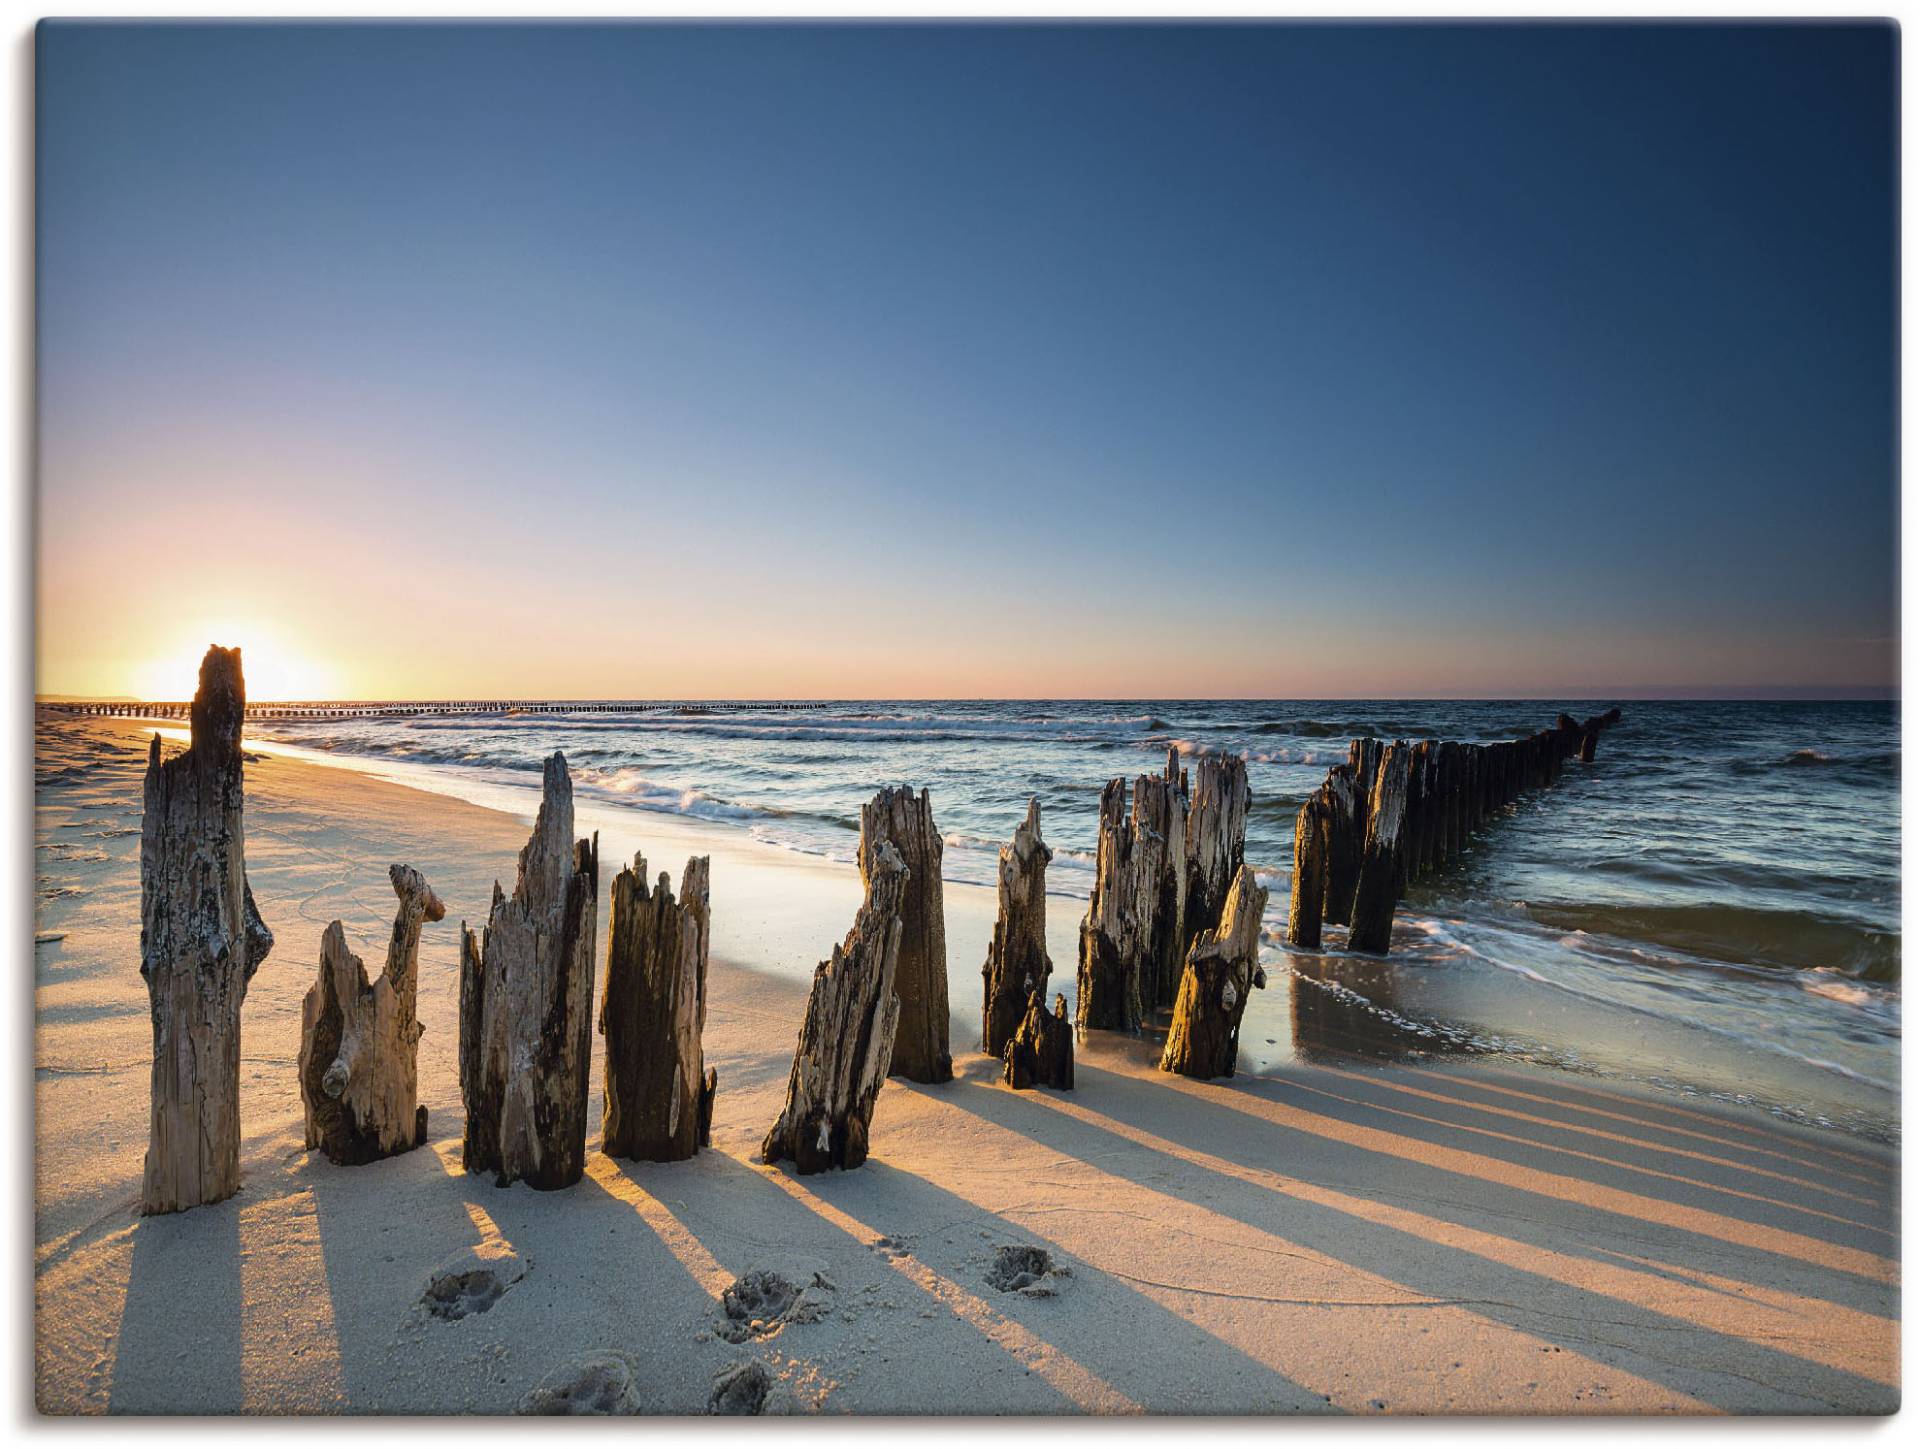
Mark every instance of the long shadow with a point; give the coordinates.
(1242, 1128)
(383, 1228)
(1157, 1361)
(1421, 1110)
(1733, 1373)
(1725, 1133)
(1773, 1149)
(179, 1342)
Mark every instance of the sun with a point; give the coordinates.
(274, 670)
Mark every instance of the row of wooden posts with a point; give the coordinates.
(1174, 921)
(1394, 812)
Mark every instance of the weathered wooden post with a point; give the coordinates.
(1222, 969)
(1216, 837)
(1346, 836)
(920, 1051)
(659, 1090)
(1041, 1052)
(1376, 895)
(1113, 935)
(1310, 836)
(201, 940)
(359, 1077)
(1017, 964)
(526, 1006)
(846, 1040)
(1160, 860)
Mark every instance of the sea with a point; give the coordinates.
(1711, 908)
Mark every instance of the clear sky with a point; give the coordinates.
(736, 361)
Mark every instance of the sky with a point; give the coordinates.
(1008, 361)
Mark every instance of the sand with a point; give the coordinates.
(1331, 1238)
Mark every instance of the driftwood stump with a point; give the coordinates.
(659, 1090)
(1222, 967)
(201, 940)
(1041, 1052)
(1378, 890)
(1017, 962)
(1160, 862)
(1113, 934)
(1216, 839)
(846, 1040)
(920, 1051)
(526, 1006)
(359, 1080)
(1134, 932)
(1311, 832)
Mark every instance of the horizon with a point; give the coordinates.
(967, 361)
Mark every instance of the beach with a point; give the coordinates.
(1319, 1235)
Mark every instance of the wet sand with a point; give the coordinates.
(1324, 1238)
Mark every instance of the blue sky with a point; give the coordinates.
(982, 360)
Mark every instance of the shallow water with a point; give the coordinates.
(1713, 906)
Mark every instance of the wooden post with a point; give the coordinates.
(1310, 834)
(659, 1090)
(1041, 1052)
(1160, 860)
(1375, 897)
(1216, 837)
(1017, 964)
(201, 940)
(1113, 934)
(846, 1040)
(1222, 968)
(920, 1050)
(526, 1006)
(1346, 836)
(359, 1078)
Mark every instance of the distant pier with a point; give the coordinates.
(418, 709)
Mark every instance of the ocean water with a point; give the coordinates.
(1712, 907)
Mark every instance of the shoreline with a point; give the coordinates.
(1363, 1238)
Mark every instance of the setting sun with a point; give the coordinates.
(275, 670)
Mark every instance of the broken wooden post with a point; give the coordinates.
(201, 940)
(1311, 829)
(1113, 934)
(1216, 838)
(846, 1039)
(1222, 969)
(659, 1090)
(1017, 964)
(1041, 1052)
(1377, 893)
(920, 1052)
(1346, 836)
(526, 1006)
(359, 1079)
(1159, 825)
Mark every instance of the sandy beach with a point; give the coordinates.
(1331, 1239)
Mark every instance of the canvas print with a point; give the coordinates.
(966, 719)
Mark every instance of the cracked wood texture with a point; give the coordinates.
(359, 1041)
(846, 1040)
(920, 1047)
(201, 940)
(1017, 964)
(526, 1006)
(1216, 839)
(1134, 931)
(1222, 969)
(659, 1090)
(1041, 1052)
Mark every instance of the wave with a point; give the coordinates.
(1740, 935)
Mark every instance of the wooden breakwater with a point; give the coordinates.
(1395, 811)
(419, 709)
